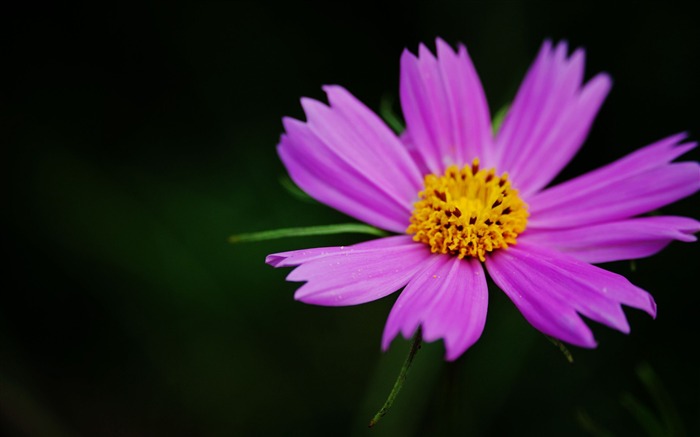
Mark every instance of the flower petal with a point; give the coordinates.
(298, 257)
(413, 151)
(550, 288)
(615, 241)
(550, 118)
(347, 158)
(444, 105)
(313, 168)
(633, 185)
(448, 298)
(374, 145)
(338, 276)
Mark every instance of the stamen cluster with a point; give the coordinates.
(468, 212)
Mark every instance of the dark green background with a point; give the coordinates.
(137, 139)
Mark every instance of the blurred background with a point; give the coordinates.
(138, 139)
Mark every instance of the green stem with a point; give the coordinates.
(415, 346)
(357, 228)
(562, 347)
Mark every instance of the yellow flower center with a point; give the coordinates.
(468, 212)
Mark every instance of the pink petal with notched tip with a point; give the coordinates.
(448, 299)
(613, 200)
(615, 241)
(551, 289)
(345, 157)
(549, 119)
(632, 185)
(444, 105)
(351, 275)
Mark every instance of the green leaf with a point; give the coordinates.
(587, 423)
(644, 416)
(673, 425)
(273, 234)
(294, 190)
(386, 111)
(499, 117)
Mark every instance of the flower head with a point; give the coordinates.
(462, 199)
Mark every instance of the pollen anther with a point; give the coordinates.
(468, 212)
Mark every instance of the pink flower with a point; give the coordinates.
(461, 200)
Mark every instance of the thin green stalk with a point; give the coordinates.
(356, 228)
(415, 346)
(562, 347)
